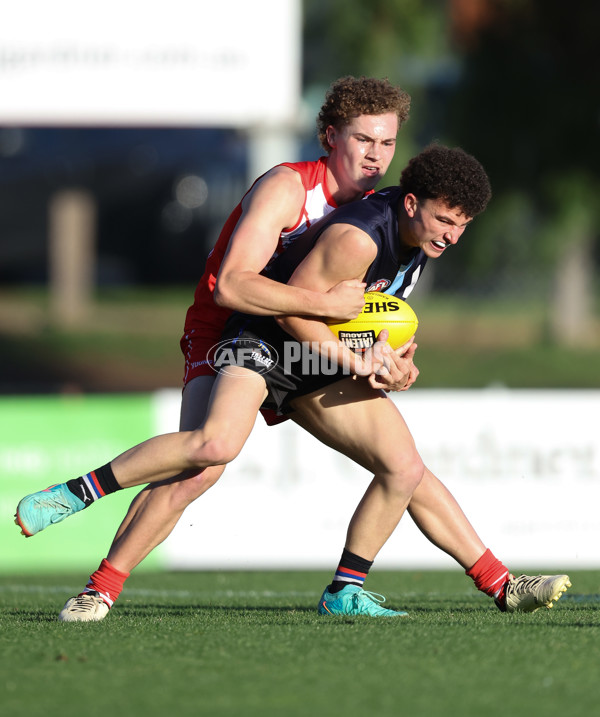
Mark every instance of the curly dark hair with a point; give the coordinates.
(440, 172)
(350, 97)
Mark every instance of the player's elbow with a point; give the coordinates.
(284, 322)
(223, 295)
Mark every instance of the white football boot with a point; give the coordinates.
(87, 607)
(529, 593)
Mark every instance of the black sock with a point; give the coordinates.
(94, 485)
(352, 570)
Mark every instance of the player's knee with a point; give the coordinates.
(184, 492)
(223, 450)
(417, 471)
(200, 483)
(206, 451)
(408, 473)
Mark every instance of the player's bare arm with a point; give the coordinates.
(272, 205)
(343, 252)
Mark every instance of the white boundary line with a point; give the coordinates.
(143, 592)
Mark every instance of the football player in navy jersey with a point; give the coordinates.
(386, 238)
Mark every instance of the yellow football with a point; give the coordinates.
(381, 311)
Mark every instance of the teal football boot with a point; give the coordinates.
(39, 510)
(353, 600)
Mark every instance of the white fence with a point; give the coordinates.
(524, 465)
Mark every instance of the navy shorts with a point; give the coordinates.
(289, 368)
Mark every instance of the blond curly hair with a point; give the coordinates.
(350, 97)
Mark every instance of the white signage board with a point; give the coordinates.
(128, 62)
(524, 465)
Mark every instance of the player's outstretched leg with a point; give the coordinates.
(46, 507)
(353, 600)
(529, 593)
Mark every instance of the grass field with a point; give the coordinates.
(252, 644)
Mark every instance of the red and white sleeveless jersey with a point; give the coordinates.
(205, 320)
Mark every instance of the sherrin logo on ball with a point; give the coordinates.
(381, 311)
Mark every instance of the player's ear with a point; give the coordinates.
(331, 135)
(410, 204)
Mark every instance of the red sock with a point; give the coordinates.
(107, 581)
(490, 575)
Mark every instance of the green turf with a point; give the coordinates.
(252, 644)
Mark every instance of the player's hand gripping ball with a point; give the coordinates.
(381, 311)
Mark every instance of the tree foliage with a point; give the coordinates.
(514, 82)
(528, 99)
(403, 40)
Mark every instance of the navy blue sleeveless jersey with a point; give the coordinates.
(395, 269)
(264, 347)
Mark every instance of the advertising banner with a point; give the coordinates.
(48, 440)
(524, 466)
(232, 64)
